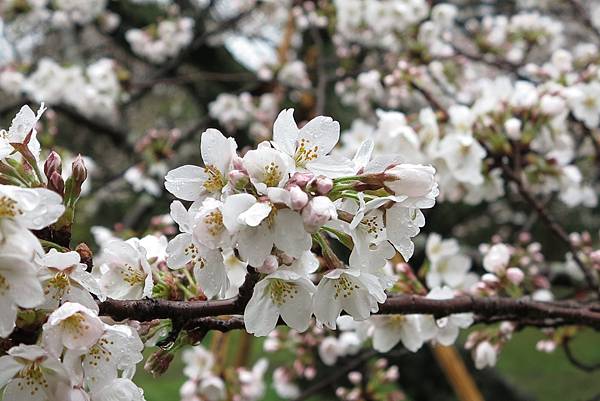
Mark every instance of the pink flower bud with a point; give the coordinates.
(392, 373)
(53, 163)
(238, 178)
(515, 275)
(79, 173)
(301, 179)
(238, 163)
(310, 372)
(298, 197)
(324, 185)
(56, 183)
(355, 377)
(318, 212)
(269, 266)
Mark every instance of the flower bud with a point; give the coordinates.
(412, 180)
(212, 388)
(158, 362)
(512, 126)
(515, 275)
(79, 171)
(301, 179)
(355, 377)
(53, 164)
(269, 265)
(490, 279)
(318, 212)
(238, 178)
(56, 183)
(298, 197)
(238, 163)
(324, 185)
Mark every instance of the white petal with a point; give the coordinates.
(8, 368)
(217, 150)
(255, 214)
(260, 315)
(255, 244)
(233, 207)
(290, 235)
(186, 182)
(285, 132)
(323, 132)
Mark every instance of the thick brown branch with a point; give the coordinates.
(485, 308)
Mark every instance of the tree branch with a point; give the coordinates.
(487, 309)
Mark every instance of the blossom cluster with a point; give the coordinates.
(78, 355)
(93, 91)
(276, 202)
(163, 41)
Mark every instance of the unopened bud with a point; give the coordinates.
(512, 126)
(490, 279)
(269, 265)
(515, 275)
(301, 179)
(323, 185)
(79, 171)
(238, 163)
(158, 362)
(238, 178)
(56, 183)
(318, 212)
(412, 180)
(53, 164)
(298, 198)
(355, 377)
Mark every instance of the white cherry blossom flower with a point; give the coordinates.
(447, 265)
(72, 326)
(282, 293)
(258, 226)
(252, 385)
(308, 146)
(64, 279)
(412, 330)
(119, 348)
(496, 259)
(193, 183)
(267, 167)
(33, 208)
(448, 327)
(124, 272)
(30, 373)
(356, 292)
(19, 287)
(209, 269)
(484, 355)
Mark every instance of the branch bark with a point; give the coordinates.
(486, 309)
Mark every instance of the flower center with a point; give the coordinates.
(372, 227)
(272, 175)
(215, 181)
(214, 222)
(4, 286)
(281, 291)
(8, 207)
(76, 325)
(192, 251)
(34, 379)
(305, 152)
(344, 287)
(131, 275)
(99, 353)
(61, 283)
